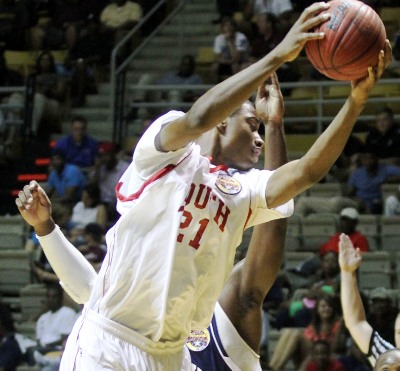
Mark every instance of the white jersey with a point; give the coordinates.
(173, 248)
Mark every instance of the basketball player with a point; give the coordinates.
(232, 341)
(182, 216)
(367, 339)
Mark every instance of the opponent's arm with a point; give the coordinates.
(75, 272)
(296, 176)
(251, 279)
(223, 99)
(352, 306)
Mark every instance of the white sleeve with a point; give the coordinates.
(76, 274)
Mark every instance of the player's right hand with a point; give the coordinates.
(300, 33)
(349, 256)
(34, 204)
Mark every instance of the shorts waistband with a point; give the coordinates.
(130, 336)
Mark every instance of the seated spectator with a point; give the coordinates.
(383, 139)
(296, 344)
(184, 75)
(266, 37)
(50, 94)
(88, 210)
(60, 30)
(80, 148)
(93, 248)
(231, 50)
(392, 204)
(53, 326)
(281, 9)
(348, 161)
(119, 17)
(10, 352)
(382, 313)
(109, 169)
(66, 181)
(347, 224)
(8, 128)
(364, 184)
(321, 358)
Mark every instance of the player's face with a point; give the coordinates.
(241, 142)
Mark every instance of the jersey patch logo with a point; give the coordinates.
(228, 185)
(198, 340)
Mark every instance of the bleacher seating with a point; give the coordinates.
(13, 232)
(317, 229)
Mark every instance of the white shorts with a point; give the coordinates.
(97, 343)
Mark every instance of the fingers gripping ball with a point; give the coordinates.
(354, 35)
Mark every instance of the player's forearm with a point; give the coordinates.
(223, 99)
(353, 309)
(71, 267)
(275, 146)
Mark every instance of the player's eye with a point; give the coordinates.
(254, 123)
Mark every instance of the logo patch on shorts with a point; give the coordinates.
(198, 340)
(227, 184)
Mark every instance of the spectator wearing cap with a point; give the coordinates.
(80, 148)
(347, 224)
(382, 314)
(106, 172)
(392, 204)
(66, 181)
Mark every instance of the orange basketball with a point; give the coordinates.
(354, 35)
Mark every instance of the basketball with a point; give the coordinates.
(354, 35)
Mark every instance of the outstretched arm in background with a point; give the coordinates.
(251, 279)
(352, 306)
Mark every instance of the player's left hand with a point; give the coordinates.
(269, 101)
(362, 88)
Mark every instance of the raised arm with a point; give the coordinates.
(352, 306)
(296, 176)
(35, 208)
(223, 99)
(252, 278)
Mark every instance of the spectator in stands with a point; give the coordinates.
(119, 17)
(347, 224)
(80, 148)
(50, 94)
(88, 210)
(392, 204)
(8, 126)
(66, 181)
(266, 37)
(281, 9)
(382, 313)
(364, 334)
(321, 358)
(383, 139)
(61, 29)
(53, 326)
(296, 344)
(93, 248)
(108, 168)
(231, 50)
(364, 184)
(10, 352)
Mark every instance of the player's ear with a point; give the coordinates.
(222, 127)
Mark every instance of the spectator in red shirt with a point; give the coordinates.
(321, 358)
(348, 224)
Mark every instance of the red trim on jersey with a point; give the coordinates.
(217, 168)
(159, 174)
(248, 217)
